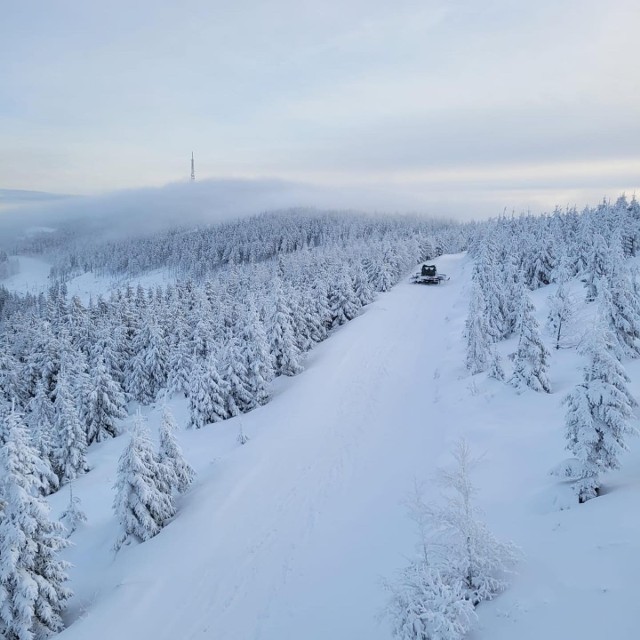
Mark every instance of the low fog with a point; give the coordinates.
(147, 210)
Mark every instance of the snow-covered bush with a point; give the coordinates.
(423, 606)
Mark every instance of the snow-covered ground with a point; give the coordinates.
(290, 535)
(33, 278)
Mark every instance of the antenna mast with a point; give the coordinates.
(193, 168)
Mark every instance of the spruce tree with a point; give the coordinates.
(476, 331)
(530, 359)
(170, 455)
(40, 422)
(620, 307)
(208, 396)
(343, 303)
(236, 375)
(596, 271)
(599, 411)
(103, 405)
(32, 576)
(257, 359)
(142, 504)
(286, 356)
(69, 442)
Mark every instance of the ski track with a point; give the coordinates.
(319, 479)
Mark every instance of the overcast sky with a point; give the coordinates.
(494, 103)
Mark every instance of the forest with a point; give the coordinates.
(247, 300)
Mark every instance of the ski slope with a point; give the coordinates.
(290, 535)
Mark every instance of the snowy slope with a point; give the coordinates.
(290, 535)
(33, 278)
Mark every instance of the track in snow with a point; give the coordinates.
(290, 536)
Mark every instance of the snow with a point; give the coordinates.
(290, 535)
(33, 278)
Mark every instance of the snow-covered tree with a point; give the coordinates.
(149, 364)
(286, 356)
(343, 302)
(596, 271)
(39, 420)
(73, 516)
(69, 446)
(495, 365)
(180, 358)
(530, 359)
(476, 331)
(170, 455)
(235, 372)
(562, 305)
(466, 549)
(599, 413)
(208, 396)
(11, 389)
(459, 564)
(620, 306)
(32, 575)
(103, 405)
(142, 503)
(362, 287)
(257, 359)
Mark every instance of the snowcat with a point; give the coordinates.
(429, 275)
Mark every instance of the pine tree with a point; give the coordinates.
(142, 503)
(170, 455)
(530, 359)
(32, 576)
(598, 415)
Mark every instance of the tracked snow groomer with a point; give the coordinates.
(429, 275)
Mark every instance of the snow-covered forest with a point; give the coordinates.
(245, 305)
